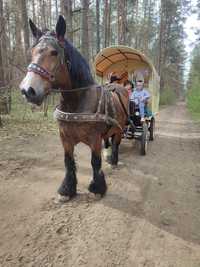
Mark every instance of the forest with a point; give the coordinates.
(92, 175)
(155, 27)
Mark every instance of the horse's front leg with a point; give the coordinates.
(98, 184)
(68, 187)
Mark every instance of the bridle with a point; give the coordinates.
(64, 62)
(45, 74)
(33, 67)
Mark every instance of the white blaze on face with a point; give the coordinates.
(34, 81)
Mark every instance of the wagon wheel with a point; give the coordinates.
(152, 129)
(144, 139)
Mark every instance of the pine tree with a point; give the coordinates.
(84, 31)
(122, 21)
(67, 7)
(1, 45)
(172, 54)
(97, 26)
(25, 28)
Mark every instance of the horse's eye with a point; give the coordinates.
(54, 53)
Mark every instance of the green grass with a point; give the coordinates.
(193, 102)
(167, 97)
(23, 120)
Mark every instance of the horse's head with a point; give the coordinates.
(47, 69)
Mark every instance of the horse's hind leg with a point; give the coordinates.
(68, 186)
(107, 150)
(107, 143)
(98, 184)
(116, 139)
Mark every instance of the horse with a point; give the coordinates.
(87, 112)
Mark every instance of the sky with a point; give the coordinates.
(191, 25)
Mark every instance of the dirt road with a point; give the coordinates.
(150, 216)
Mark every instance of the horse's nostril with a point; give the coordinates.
(31, 92)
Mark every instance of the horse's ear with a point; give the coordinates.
(60, 27)
(37, 33)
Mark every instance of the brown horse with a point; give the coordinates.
(87, 112)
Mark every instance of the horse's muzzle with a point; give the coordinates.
(29, 93)
(31, 96)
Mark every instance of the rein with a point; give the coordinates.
(73, 90)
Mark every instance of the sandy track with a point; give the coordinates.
(149, 217)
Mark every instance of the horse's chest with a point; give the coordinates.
(81, 131)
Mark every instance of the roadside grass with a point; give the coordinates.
(193, 103)
(167, 97)
(25, 119)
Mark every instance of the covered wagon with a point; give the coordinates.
(127, 62)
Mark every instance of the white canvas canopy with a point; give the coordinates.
(127, 62)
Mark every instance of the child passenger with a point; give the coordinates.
(140, 96)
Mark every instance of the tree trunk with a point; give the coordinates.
(7, 43)
(67, 6)
(2, 81)
(43, 10)
(33, 9)
(146, 30)
(97, 27)
(107, 11)
(137, 23)
(122, 21)
(50, 16)
(162, 35)
(84, 32)
(56, 5)
(25, 28)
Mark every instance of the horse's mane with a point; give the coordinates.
(79, 68)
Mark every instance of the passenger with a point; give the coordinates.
(113, 78)
(140, 96)
(129, 86)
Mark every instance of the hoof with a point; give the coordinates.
(62, 199)
(98, 189)
(66, 192)
(114, 166)
(93, 196)
(108, 165)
